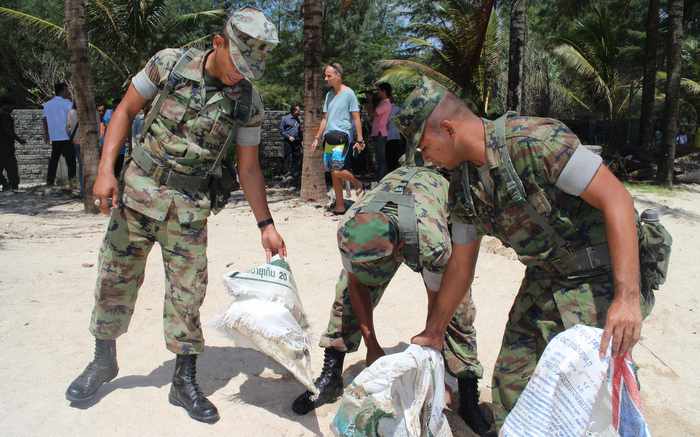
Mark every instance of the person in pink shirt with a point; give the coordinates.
(380, 127)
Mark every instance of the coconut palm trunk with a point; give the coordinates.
(673, 82)
(313, 186)
(516, 54)
(646, 121)
(84, 95)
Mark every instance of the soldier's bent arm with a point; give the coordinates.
(455, 285)
(606, 193)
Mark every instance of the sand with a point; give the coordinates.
(48, 257)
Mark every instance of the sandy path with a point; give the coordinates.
(48, 252)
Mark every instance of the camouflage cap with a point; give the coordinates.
(251, 37)
(367, 243)
(415, 112)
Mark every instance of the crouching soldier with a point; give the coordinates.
(402, 220)
(204, 104)
(528, 182)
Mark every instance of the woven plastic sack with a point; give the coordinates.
(575, 393)
(267, 314)
(399, 395)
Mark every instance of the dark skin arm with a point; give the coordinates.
(456, 282)
(253, 184)
(624, 318)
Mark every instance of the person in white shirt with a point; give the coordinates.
(55, 119)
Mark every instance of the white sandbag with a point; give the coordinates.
(575, 393)
(399, 395)
(267, 314)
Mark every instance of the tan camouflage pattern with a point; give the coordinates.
(186, 136)
(369, 240)
(252, 37)
(415, 112)
(122, 261)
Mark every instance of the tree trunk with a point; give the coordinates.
(313, 185)
(646, 120)
(516, 55)
(84, 95)
(675, 39)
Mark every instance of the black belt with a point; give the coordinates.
(587, 262)
(167, 176)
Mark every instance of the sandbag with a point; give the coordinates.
(575, 393)
(267, 314)
(399, 395)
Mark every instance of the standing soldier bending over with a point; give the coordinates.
(529, 182)
(403, 219)
(204, 103)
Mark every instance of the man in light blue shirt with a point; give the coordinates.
(55, 119)
(341, 111)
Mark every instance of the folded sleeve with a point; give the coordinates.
(249, 134)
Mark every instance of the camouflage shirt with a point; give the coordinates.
(554, 169)
(187, 135)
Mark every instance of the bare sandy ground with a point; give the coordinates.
(48, 253)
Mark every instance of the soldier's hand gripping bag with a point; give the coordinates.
(654, 251)
(267, 315)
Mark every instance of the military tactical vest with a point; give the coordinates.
(522, 216)
(189, 163)
(407, 221)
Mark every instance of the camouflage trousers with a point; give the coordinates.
(459, 350)
(542, 309)
(122, 261)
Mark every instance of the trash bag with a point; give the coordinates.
(267, 314)
(399, 395)
(573, 392)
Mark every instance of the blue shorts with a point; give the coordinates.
(335, 151)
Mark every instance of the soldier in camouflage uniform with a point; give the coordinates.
(528, 182)
(205, 104)
(379, 233)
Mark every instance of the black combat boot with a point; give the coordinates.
(185, 392)
(469, 406)
(329, 384)
(103, 368)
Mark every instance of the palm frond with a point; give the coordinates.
(688, 86)
(412, 69)
(34, 23)
(46, 28)
(195, 17)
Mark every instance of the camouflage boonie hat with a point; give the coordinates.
(415, 112)
(367, 243)
(251, 37)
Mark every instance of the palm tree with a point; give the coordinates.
(75, 18)
(313, 186)
(516, 54)
(593, 52)
(673, 84)
(646, 120)
(125, 33)
(461, 41)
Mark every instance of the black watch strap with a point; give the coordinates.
(263, 223)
